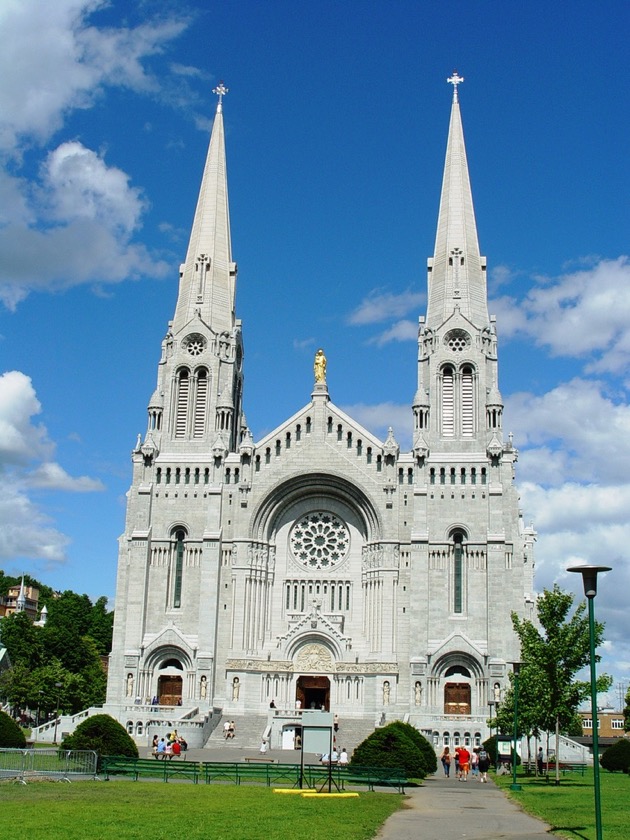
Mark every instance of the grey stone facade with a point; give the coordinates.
(320, 565)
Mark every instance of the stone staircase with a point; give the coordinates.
(248, 729)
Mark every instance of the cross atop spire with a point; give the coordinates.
(220, 91)
(455, 80)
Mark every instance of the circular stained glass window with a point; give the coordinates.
(457, 340)
(195, 344)
(320, 540)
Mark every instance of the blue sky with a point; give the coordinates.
(336, 125)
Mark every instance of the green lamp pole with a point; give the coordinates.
(589, 579)
(516, 667)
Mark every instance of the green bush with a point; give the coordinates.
(429, 758)
(102, 734)
(11, 736)
(617, 756)
(391, 746)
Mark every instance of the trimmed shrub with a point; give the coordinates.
(617, 756)
(390, 746)
(11, 736)
(102, 734)
(429, 758)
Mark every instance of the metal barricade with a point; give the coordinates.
(63, 765)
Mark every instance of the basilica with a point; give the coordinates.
(320, 567)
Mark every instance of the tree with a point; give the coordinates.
(549, 693)
(11, 736)
(102, 734)
(626, 713)
(22, 640)
(617, 756)
(393, 746)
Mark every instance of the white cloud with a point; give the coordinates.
(25, 463)
(78, 200)
(52, 60)
(381, 306)
(400, 331)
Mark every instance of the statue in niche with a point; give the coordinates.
(203, 688)
(236, 688)
(319, 366)
(386, 690)
(418, 693)
(497, 693)
(129, 685)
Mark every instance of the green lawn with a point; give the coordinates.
(570, 807)
(130, 810)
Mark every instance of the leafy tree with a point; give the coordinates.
(101, 626)
(16, 686)
(626, 713)
(617, 756)
(22, 640)
(11, 736)
(391, 746)
(104, 735)
(553, 651)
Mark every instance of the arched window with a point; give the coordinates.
(467, 401)
(181, 403)
(178, 551)
(448, 401)
(201, 403)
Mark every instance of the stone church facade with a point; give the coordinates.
(321, 566)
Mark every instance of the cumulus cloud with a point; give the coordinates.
(581, 314)
(54, 60)
(26, 462)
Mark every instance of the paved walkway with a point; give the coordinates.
(442, 809)
(445, 809)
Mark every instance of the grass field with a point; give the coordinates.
(570, 808)
(137, 811)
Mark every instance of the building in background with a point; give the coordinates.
(321, 567)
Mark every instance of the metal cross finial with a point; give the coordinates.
(220, 91)
(455, 80)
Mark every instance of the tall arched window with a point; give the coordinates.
(179, 536)
(201, 403)
(458, 572)
(467, 401)
(181, 403)
(448, 401)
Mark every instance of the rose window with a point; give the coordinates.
(319, 540)
(457, 340)
(195, 344)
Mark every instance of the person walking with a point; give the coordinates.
(484, 764)
(445, 758)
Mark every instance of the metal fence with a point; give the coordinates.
(62, 765)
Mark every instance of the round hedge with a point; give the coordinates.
(397, 745)
(102, 734)
(617, 756)
(11, 736)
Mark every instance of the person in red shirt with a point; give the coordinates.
(464, 763)
(177, 749)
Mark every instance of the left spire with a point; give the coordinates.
(207, 278)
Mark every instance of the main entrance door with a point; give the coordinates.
(170, 690)
(313, 692)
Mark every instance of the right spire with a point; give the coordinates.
(457, 271)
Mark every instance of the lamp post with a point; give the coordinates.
(589, 579)
(516, 667)
(491, 706)
(57, 686)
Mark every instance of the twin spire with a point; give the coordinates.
(457, 275)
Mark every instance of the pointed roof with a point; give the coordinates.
(457, 271)
(207, 277)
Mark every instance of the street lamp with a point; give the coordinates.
(589, 579)
(57, 686)
(516, 667)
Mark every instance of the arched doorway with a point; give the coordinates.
(313, 692)
(457, 699)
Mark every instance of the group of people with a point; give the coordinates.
(172, 745)
(476, 763)
(340, 758)
(229, 729)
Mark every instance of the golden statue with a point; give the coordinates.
(320, 366)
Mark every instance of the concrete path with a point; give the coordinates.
(445, 809)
